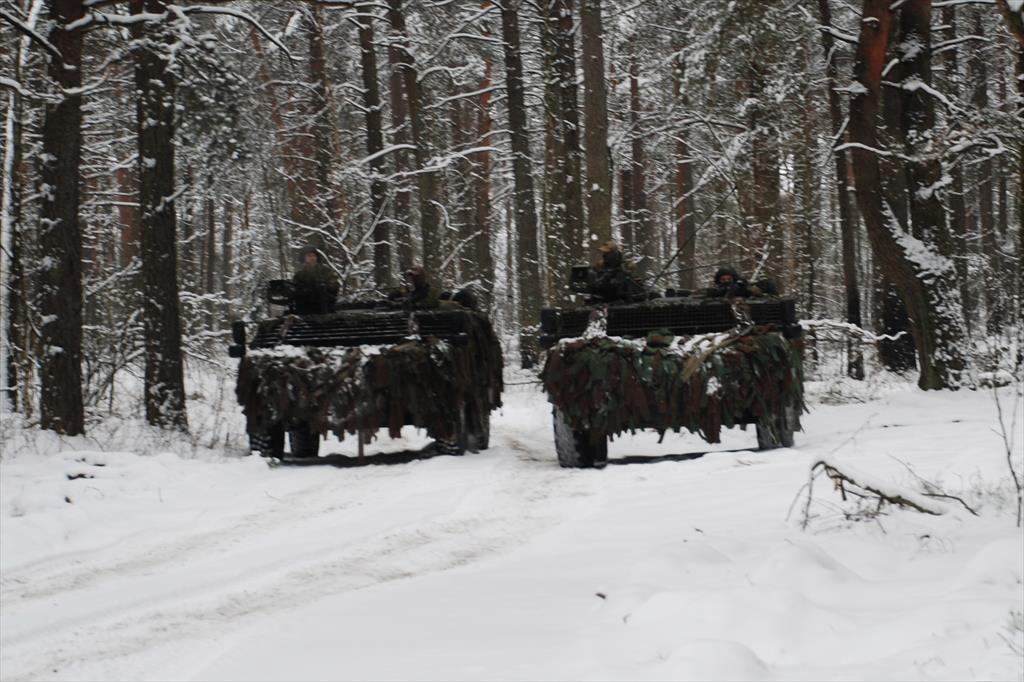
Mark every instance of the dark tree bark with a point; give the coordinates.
(209, 265)
(15, 364)
(595, 114)
(481, 183)
(903, 257)
(60, 236)
(957, 205)
(765, 190)
(563, 203)
(401, 225)
(374, 145)
(645, 243)
(979, 76)
(528, 262)
(685, 217)
(324, 197)
(227, 255)
(155, 86)
(554, 208)
(430, 219)
(847, 224)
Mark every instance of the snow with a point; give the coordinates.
(131, 555)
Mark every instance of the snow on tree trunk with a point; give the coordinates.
(155, 87)
(59, 271)
(921, 271)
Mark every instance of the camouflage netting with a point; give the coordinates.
(427, 383)
(610, 385)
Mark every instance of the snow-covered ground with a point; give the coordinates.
(129, 557)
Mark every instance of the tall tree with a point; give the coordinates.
(985, 191)
(957, 205)
(430, 218)
(481, 183)
(645, 242)
(595, 121)
(528, 264)
(563, 195)
(374, 147)
(682, 200)
(60, 236)
(155, 87)
(907, 259)
(847, 224)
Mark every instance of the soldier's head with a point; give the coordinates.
(310, 255)
(611, 254)
(416, 276)
(726, 276)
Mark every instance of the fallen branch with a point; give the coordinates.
(850, 482)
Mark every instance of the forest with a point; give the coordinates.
(161, 161)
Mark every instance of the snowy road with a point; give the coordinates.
(500, 565)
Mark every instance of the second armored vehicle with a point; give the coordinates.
(628, 359)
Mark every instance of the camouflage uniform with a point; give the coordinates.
(737, 287)
(316, 285)
(614, 280)
(420, 294)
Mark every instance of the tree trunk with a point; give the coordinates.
(227, 256)
(481, 185)
(430, 219)
(957, 205)
(645, 245)
(156, 86)
(374, 145)
(563, 223)
(60, 237)
(528, 263)
(210, 250)
(401, 232)
(325, 198)
(765, 192)
(907, 260)
(847, 224)
(557, 233)
(685, 218)
(595, 111)
(979, 76)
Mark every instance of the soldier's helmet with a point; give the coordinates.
(309, 248)
(416, 275)
(611, 254)
(726, 270)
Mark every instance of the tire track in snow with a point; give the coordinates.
(491, 520)
(80, 569)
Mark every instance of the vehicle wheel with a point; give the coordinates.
(780, 435)
(268, 444)
(478, 440)
(575, 449)
(304, 441)
(457, 445)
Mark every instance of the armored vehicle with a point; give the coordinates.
(364, 366)
(629, 359)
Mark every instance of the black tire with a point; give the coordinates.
(305, 442)
(478, 440)
(269, 444)
(457, 445)
(780, 435)
(577, 449)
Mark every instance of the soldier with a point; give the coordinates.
(729, 284)
(418, 293)
(316, 285)
(613, 280)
